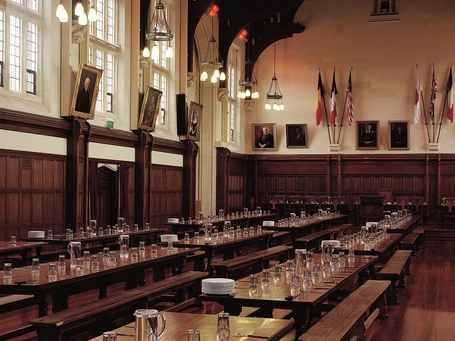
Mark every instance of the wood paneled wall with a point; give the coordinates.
(32, 193)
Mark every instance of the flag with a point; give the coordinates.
(333, 100)
(450, 97)
(350, 103)
(417, 99)
(319, 101)
(434, 90)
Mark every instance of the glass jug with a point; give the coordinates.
(124, 241)
(147, 324)
(74, 249)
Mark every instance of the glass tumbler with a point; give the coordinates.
(223, 331)
(194, 335)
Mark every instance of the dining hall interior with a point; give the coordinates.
(279, 124)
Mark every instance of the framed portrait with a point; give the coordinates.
(367, 134)
(296, 136)
(194, 121)
(264, 136)
(398, 134)
(149, 109)
(86, 92)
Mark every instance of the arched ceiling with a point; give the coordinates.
(267, 21)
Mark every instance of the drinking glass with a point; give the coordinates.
(316, 274)
(265, 281)
(196, 235)
(7, 273)
(50, 234)
(134, 254)
(13, 241)
(170, 247)
(106, 256)
(326, 272)
(147, 227)
(109, 336)
(187, 237)
(112, 259)
(278, 275)
(142, 248)
(95, 263)
(80, 269)
(86, 260)
(92, 228)
(307, 281)
(100, 231)
(154, 251)
(194, 335)
(253, 286)
(52, 272)
(295, 284)
(289, 269)
(223, 331)
(136, 227)
(61, 266)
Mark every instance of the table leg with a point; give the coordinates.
(302, 320)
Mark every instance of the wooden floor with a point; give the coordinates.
(426, 309)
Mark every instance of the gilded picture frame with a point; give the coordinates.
(398, 135)
(367, 135)
(85, 92)
(150, 109)
(296, 136)
(264, 136)
(194, 121)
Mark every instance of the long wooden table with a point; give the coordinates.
(22, 248)
(305, 306)
(301, 227)
(61, 239)
(229, 247)
(241, 328)
(132, 273)
(384, 249)
(196, 225)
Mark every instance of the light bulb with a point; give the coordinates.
(222, 76)
(216, 73)
(155, 51)
(79, 9)
(61, 13)
(92, 15)
(239, 94)
(213, 79)
(64, 17)
(82, 19)
(146, 52)
(247, 93)
(169, 52)
(281, 106)
(268, 106)
(275, 107)
(242, 95)
(204, 76)
(255, 94)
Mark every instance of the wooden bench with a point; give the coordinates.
(412, 242)
(88, 320)
(339, 231)
(14, 302)
(235, 267)
(394, 270)
(281, 238)
(312, 240)
(346, 321)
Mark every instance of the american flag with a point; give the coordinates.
(350, 103)
(434, 90)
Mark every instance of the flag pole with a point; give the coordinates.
(326, 117)
(422, 104)
(441, 116)
(342, 115)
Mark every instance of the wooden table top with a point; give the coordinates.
(23, 283)
(177, 325)
(106, 238)
(6, 248)
(380, 247)
(304, 224)
(277, 293)
(204, 243)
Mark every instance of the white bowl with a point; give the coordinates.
(173, 220)
(268, 223)
(217, 286)
(169, 238)
(335, 243)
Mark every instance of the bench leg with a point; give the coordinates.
(401, 279)
(392, 293)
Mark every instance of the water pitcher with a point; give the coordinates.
(147, 324)
(74, 249)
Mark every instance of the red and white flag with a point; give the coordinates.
(350, 102)
(333, 101)
(450, 97)
(319, 101)
(417, 99)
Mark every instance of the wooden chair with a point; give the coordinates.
(372, 208)
(336, 201)
(386, 194)
(418, 208)
(403, 202)
(449, 212)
